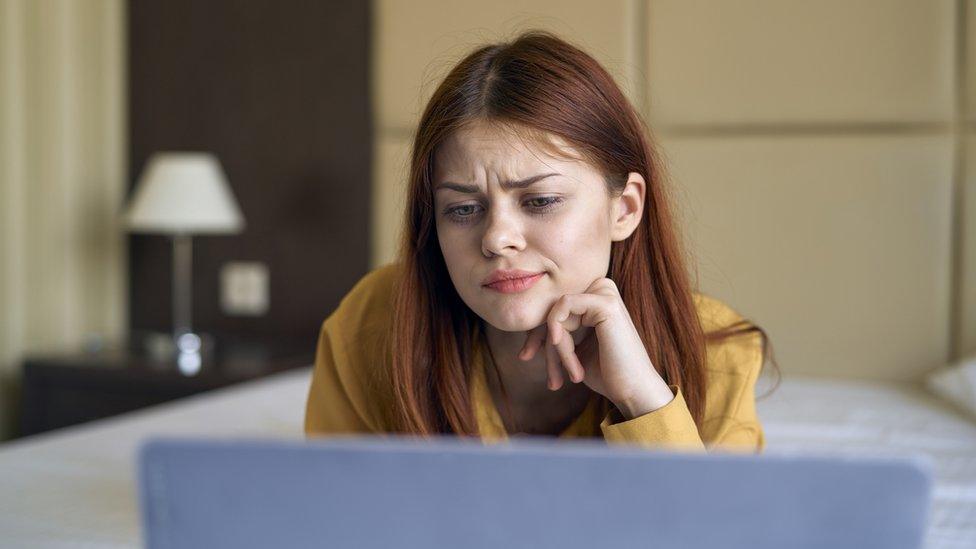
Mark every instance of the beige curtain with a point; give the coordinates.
(62, 169)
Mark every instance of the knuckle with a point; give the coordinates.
(561, 306)
(603, 286)
(551, 322)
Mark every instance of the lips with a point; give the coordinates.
(511, 281)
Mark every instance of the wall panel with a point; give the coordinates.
(966, 332)
(838, 246)
(418, 42)
(392, 156)
(775, 61)
(813, 144)
(279, 92)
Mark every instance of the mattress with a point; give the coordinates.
(76, 487)
(849, 417)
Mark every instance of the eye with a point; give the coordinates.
(462, 213)
(544, 203)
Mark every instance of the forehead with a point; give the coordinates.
(496, 148)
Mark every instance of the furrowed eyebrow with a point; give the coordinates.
(507, 185)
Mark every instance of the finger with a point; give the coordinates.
(575, 310)
(533, 342)
(560, 319)
(566, 349)
(605, 286)
(555, 331)
(552, 365)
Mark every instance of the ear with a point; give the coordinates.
(626, 210)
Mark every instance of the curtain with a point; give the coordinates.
(62, 181)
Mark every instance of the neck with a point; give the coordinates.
(525, 382)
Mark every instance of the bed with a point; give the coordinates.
(76, 487)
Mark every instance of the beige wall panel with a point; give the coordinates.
(966, 344)
(970, 52)
(392, 163)
(768, 61)
(417, 42)
(838, 246)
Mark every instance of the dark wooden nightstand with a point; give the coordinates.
(67, 389)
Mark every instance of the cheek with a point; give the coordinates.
(454, 243)
(456, 247)
(580, 247)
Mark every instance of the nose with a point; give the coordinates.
(503, 234)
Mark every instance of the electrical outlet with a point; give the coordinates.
(244, 288)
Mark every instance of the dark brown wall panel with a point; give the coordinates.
(279, 91)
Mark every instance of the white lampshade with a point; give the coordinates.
(183, 192)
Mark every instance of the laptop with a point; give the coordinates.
(395, 491)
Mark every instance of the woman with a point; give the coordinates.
(540, 287)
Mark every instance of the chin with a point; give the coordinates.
(520, 319)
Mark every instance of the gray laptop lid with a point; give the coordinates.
(450, 492)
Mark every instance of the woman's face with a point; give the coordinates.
(558, 223)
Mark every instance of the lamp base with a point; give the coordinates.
(187, 349)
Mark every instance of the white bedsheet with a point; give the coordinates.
(76, 487)
(849, 417)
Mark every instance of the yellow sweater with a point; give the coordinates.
(349, 394)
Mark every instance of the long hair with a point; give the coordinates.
(537, 85)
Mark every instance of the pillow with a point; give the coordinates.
(956, 384)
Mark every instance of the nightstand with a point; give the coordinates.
(68, 389)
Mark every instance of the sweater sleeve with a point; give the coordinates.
(348, 393)
(669, 427)
(329, 408)
(672, 427)
(731, 422)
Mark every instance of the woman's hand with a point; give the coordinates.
(614, 363)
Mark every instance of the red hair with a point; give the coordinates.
(537, 85)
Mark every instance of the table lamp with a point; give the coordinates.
(181, 194)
